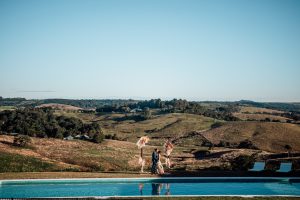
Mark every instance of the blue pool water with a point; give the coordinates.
(149, 186)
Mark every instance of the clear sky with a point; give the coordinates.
(196, 50)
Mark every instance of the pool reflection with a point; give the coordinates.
(157, 189)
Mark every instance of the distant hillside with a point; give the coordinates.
(62, 155)
(273, 105)
(253, 110)
(59, 106)
(158, 128)
(251, 113)
(266, 136)
(96, 103)
(82, 103)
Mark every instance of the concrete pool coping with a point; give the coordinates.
(134, 179)
(134, 174)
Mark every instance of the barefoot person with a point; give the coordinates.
(154, 162)
(168, 148)
(160, 168)
(142, 143)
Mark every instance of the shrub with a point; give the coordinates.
(115, 137)
(247, 144)
(109, 136)
(242, 162)
(217, 124)
(22, 141)
(268, 119)
(98, 137)
(221, 144)
(275, 120)
(199, 154)
(112, 137)
(207, 144)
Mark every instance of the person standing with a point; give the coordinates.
(154, 162)
(168, 148)
(141, 143)
(160, 168)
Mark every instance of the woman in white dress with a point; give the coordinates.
(160, 168)
(168, 148)
(142, 143)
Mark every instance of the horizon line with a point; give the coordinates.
(150, 98)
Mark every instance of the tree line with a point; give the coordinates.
(43, 123)
(82, 103)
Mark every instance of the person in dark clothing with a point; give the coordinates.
(154, 162)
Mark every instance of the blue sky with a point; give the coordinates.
(196, 50)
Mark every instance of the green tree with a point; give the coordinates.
(98, 137)
(242, 162)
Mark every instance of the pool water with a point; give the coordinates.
(149, 187)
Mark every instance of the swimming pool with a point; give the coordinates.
(193, 186)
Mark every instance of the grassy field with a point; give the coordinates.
(59, 106)
(2, 108)
(19, 163)
(57, 175)
(257, 114)
(111, 155)
(258, 117)
(187, 131)
(267, 136)
(250, 109)
(77, 155)
(159, 127)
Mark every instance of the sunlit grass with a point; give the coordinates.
(18, 163)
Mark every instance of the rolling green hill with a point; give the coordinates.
(268, 136)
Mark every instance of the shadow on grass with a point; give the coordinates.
(205, 154)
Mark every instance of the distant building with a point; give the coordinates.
(77, 137)
(85, 137)
(69, 138)
(135, 110)
(82, 137)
